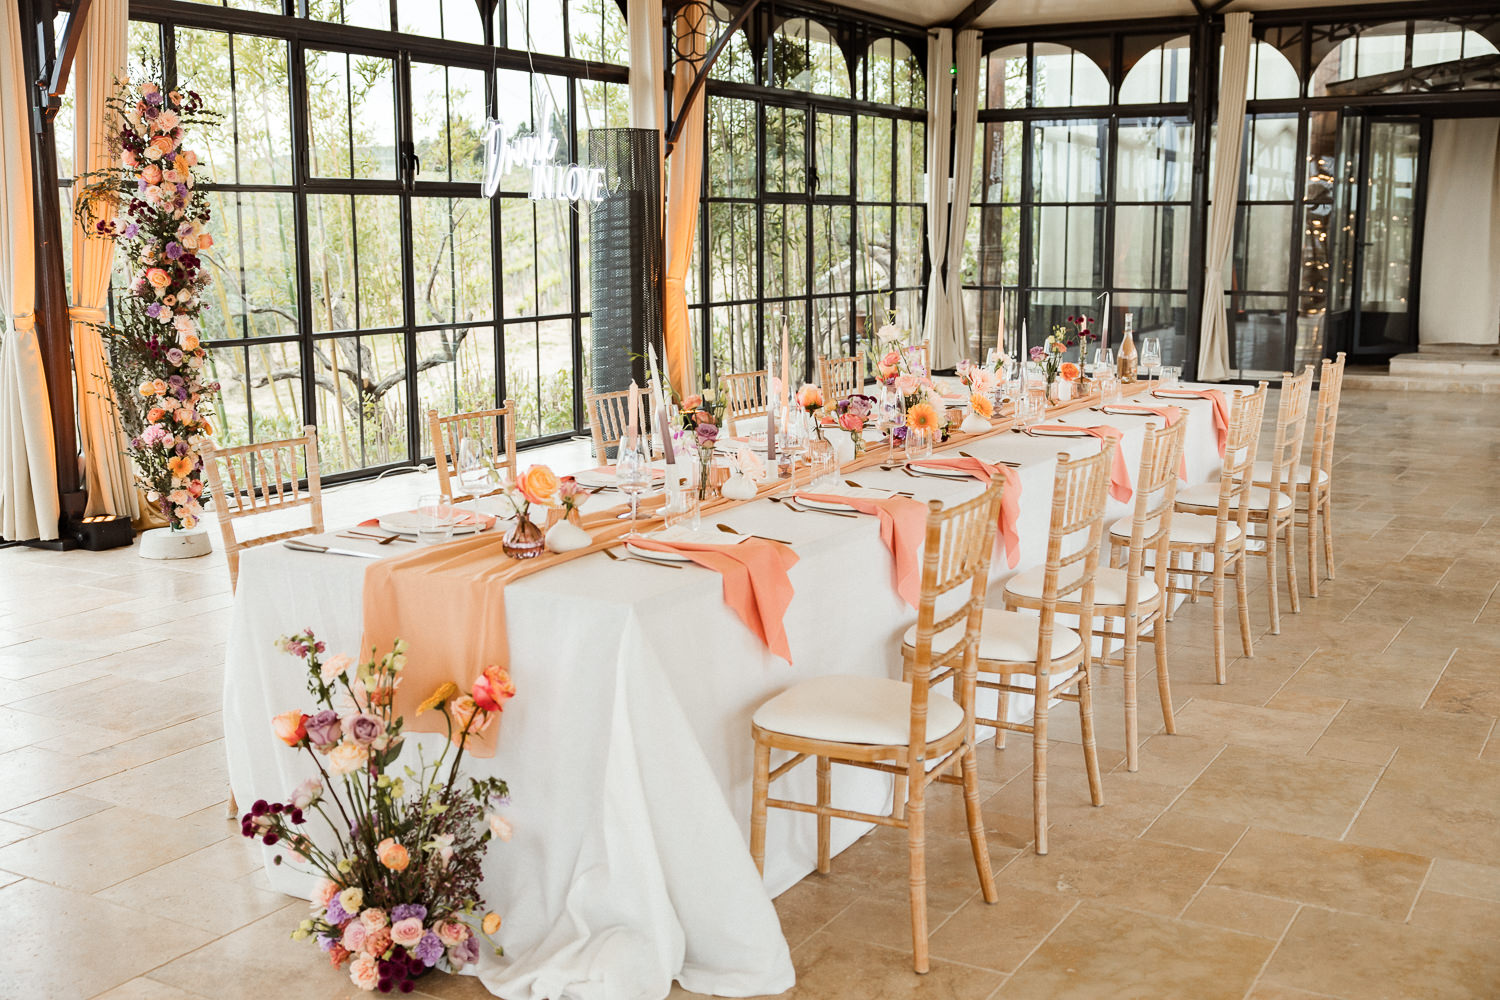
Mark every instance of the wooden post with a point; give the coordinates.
(53, 327)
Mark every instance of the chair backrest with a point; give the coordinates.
(609, 418)
(1291, 425)
(841, 377)
(250, 480)
(1080, 497)
(747, 394)
(1238, 472)
(1330, 389)
(482, 426)
(1156, 495)
(956, 555)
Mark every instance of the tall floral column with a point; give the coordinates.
(153, 209)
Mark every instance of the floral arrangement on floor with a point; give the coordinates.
(401, 872)
(153, 208)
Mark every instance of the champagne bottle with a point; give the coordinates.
(1126, 365)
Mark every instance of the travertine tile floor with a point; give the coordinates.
(1325, 825)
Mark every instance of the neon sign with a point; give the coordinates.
(550, 180)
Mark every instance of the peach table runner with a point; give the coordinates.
(903, 527)
(1010, 499)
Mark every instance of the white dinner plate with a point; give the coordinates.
(1126, 411)
(946, 472)
(662, 556)
(1176, 394)
(1059, 432)
(861, 493)
(404, 522)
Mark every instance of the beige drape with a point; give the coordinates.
(1213, 344)
(951, 344)
(28, 475)
(939, 131)
(643, 22)
(684, 185)
(107, 469)
(1461, 252)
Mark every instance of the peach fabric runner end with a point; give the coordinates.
(1221, 409)
(903, 528)
(756, 585)
(1119, 475)
(1010, 499)
(1170, 414)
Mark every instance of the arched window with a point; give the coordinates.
(1272, 75)
(804, 56)
(1064, 77)
(736, 63)
(1002, 78)
(597, 31)
(891, 74)
(1160, 76)
(1404, 57)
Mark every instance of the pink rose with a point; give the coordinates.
(364, 972)
(158, 278)
(374, 919)
(324, 893)
(355, 934)
(152, 174)
(379, 942)
(407, 932)
(364, 727)
(451, 932)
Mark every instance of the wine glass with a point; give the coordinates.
(633, 476)
(1104, 361)
(471, 470)
(794, 444)
(1151, 355)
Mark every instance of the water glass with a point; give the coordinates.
(435, 517)
(1171, 374)
(471, 466)
(1109, 388)
(918, 444)
(823, 465)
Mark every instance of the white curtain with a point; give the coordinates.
(647, 72)
(1461, 251)
(1213, 345)
(28, 474)
(952, 343)
(107, 470)
(939, 132)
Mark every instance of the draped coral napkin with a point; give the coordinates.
(1221, 410)
(1119, 475)
(756, 585)
(1010, 499)
(1170, 414)
(903, 527)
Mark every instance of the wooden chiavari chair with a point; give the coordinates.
(483, 426)
(1314, 481)
(902, 728)
(609, 417)
(1273, 506)
(746, 395)
(249, 480)
(1222, 534)
(1052, 659)
(841, 377)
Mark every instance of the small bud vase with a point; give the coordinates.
(524, 541)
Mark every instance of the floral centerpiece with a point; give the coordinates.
(153, 208)
(538, 485)
(1051, 355)
(702, 415)
(852, 413)
(402, 858)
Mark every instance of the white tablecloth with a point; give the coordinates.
(627, 747)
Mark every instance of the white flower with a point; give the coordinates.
(888, 334)
(499, 826)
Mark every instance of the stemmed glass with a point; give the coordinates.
(1104, 361)
(633, 476)
(471, 470)
(793, 444)
(1151, 355)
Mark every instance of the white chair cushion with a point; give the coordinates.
(1207, 495)
(1187, 529)
(1007, 636)
(1109, 585)
(1261, 473)
(846, 709)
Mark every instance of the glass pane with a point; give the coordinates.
(831, 325)
(1004, 84)
(354, 245)
(1067, 243)
(911, 237)
(833, 155)
(364, 13)
(362, 401)
(518, 257)
(448, 120)
(1271, 73)
(786, 150)
(144, 49)
(874, 161)
(1161, 76)
(731, 148)
(1271, 168)
(831, 259)
(785, 228)
(733, 262)
(733, 336)
(1151, 244)
(1155, 160)
(1257, 331)
(456, 374)
(911, 161)
(204, 65)
(351, 114)
(875, 246)
(598, 31)
(535, 26)
(521, 386)
(555, 357)
(804, 56)
(1262, 245)
(262, 398)
(1390, 216)
(254, 264)
(735, 63)
(455, 19)
(1066, 78)
(1069, 160)
(451, 260)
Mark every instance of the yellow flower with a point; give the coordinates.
(491, 922)
(981, 405)
(445, 691)
(922, 417)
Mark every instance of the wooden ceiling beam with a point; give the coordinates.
(970, 14)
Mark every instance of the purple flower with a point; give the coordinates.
(401, 911)
(181, 449)
(132, 229)
(336, 914)
(154, 97)
(898, 435)
(707, 433)
(325, 941)
(859, 405)
(364, 727)
(466, 952)
(429, 949)
(324, 729)
(174, 356)
(153, 309)
(1038, 353)
(174, 251)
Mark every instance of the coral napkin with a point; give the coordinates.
(756, 585)
(1221, 410)
(1168, 413)
(1119, 476)
(1010, 500)
(460, 515)
(903, 527)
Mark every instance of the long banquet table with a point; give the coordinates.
(627, 747)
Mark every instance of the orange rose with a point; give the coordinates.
(810, 397)
(205, 241)
(540, 485)
(692, 402)
(1068, 370)
(152, 174)
(493, 689)
(290, 728)
(393, 855)
(467, 717)
(162, 145)
(188, 342)
(158, 278)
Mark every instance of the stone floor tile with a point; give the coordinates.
(1245, 912)
(1446, 807)
(1294, 794)
(1324, 872)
